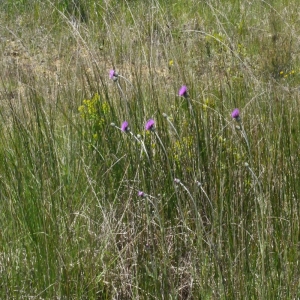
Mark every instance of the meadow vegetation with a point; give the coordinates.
(204, 204)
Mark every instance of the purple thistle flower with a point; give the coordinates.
(113, 75)
(150, 125)
(125, 126)
(141, 194)
(183, 91)
(236, 114)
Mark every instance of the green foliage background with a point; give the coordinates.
(220, 214)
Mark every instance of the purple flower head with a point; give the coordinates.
(236, 114)
(113, 75)
(183, 91)
(125, 126)
(141, 194)
(150, 125)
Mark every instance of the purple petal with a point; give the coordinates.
(150, 124)
(112, 74)
(125, 126)
(141, 194)
(235, 113)
(183, 91)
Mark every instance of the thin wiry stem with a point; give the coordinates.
(244, 135)
(126, 80)
(261, 230)
(171, 124)
(166, 154)
(209, 201)
(137, 138)
(195, 120)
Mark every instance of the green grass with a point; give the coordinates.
(220, 216)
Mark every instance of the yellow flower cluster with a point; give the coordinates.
(241, 49)
(92, 109)
(94, 112)
(286, 75)
(208, 103)
(183, 148)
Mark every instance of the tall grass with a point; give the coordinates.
(204, 206)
